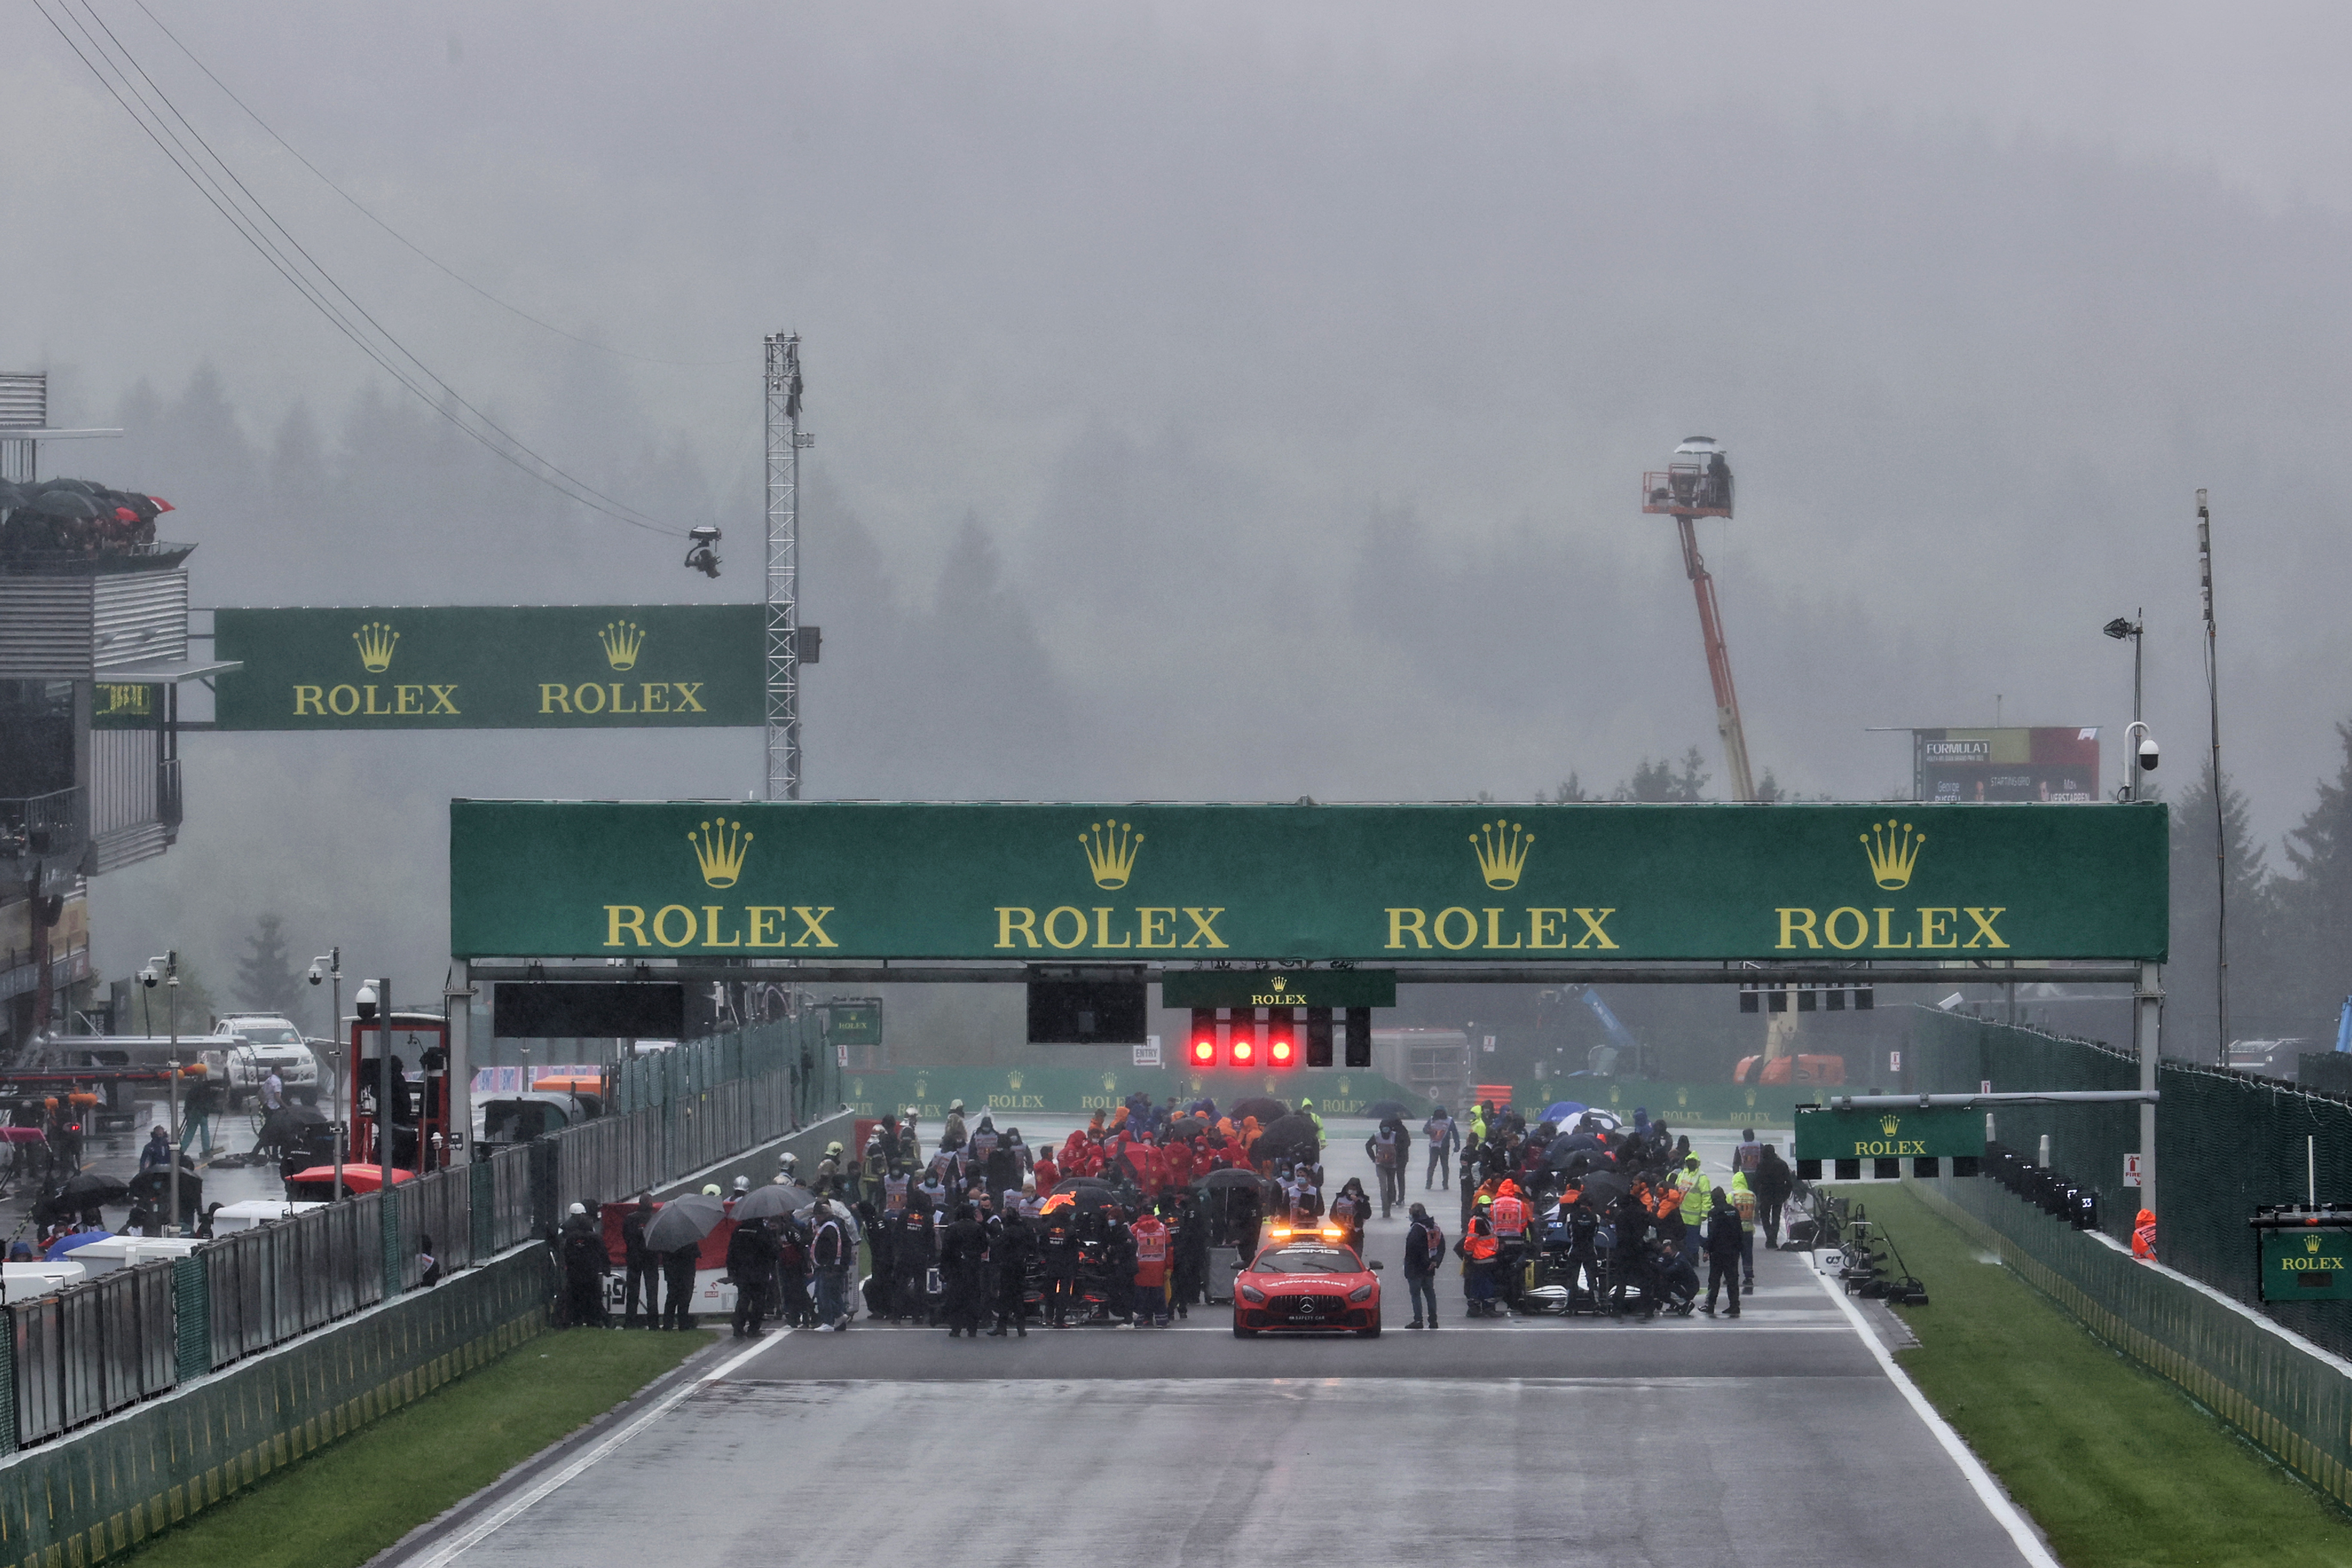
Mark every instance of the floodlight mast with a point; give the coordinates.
(783, 609)
(1695, 483)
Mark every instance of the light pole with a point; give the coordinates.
(2148, 992)
(2120, 628)
(334, 971)
(170, 975)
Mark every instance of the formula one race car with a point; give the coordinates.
(1307, 1281)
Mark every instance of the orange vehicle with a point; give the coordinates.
(317, 1183)
(1790, 1069)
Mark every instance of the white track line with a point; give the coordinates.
(474, 1534)
(1997, 1503)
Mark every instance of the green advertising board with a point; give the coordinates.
(1279, 988)
(2308, 1263)
(855, 1023)
(492, 666)
(1945, 1133)
(1289, 884)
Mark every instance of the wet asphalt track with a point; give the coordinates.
(1777, 1439)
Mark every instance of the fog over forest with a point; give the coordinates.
(1217, 407)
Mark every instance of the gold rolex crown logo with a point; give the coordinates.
(1013, 1078)
(1888, 1123)
(1502, 851)
(1110, 850)
(622, 639)
(2310, 1244)
(1894, 849)
(1280, 983)
(719, 846)
(376, 641)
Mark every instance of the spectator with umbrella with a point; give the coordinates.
(675, 1233)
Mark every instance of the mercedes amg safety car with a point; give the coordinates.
(1306, 1280)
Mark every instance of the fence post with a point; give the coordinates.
(9, 1388)
(482, 1201)
(192, 1314)
(394, 1273)
(542, 1186)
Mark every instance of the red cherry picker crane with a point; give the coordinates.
(1695, 483)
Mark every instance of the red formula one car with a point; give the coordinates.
(1307, 1281)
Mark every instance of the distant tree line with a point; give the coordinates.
(2290, 927)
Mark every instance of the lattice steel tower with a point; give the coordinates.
(783, 637)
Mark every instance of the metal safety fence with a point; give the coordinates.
(2289, 1398)
(95, 1348)
(90, 1350)
(2226, 1143)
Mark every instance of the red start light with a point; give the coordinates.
(1245, 1052)
(1204, 1051)
(1279, 1052)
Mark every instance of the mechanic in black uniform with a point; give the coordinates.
(1188, 1249)
(1057, 1242)
(914, 1248)
(1010, 1243)
(752, 1264)
(642, 1266)
(584, 1268)
(677, 1267)
(963, 1248)
(1119, 1265)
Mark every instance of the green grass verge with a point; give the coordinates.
(342, 1506)
(2119, 1467)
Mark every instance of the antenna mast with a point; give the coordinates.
(784, 619)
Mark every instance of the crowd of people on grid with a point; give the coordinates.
(983, 1231)
(1602, 1217)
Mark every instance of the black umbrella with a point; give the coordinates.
(1089, 1197)
(1291, 1137)
(11, 495)
(1230, 1178)
(773, 1200)
(90, 1188)
(1081, 1183)
(1381, 1110)
(1605, 1187)
(683, 1222)
(78, 487)
(1268, 1112)
(156, 1186)
(142, 508)
(64, 504)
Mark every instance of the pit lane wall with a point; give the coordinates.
(2287, 1394)
(110, 1486)
(1005, 1092)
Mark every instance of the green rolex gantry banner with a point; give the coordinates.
(1368, 883)
(492, 667)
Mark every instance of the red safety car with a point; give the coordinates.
(1307, 1281)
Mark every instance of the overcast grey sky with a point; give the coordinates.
(1291, 373)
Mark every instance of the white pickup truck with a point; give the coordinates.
(266, 1043)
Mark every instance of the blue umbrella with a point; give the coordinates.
(66, 1244)
(1562, 1111)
